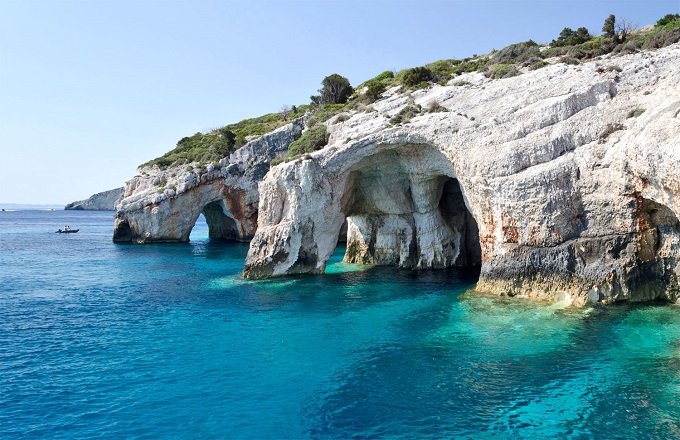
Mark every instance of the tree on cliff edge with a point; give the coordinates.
(609, 28)
(336, 90)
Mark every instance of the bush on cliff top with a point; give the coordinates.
(313, 139)
(218, 143)
(336, 94)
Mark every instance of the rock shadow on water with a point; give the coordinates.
(343, 287)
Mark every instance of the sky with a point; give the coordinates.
(90, 89)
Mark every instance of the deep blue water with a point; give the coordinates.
(122, 341)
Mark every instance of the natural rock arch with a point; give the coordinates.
(403, 204)
(228, 213)
(163, 205)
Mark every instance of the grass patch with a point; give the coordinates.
(635, 113)
(500, 71)
(218, 143)
(406, 114)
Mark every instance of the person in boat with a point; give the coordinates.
(67, 228)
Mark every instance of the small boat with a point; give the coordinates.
(67, 231)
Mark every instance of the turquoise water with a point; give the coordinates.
(115, 341)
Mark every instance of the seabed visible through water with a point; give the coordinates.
(99, 339)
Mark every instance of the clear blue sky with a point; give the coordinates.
(91, 89)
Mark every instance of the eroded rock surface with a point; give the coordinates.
(547, 180)
(163, 206)
(103, 201)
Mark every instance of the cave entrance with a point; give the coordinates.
(409, 212)
(457, 216)
(221, 225)
(658, 245)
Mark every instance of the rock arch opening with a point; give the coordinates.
(406, 208)
(221, 224)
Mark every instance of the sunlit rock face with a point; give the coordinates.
(163, 206)
(546, 179)
(103, 201)
(405, 208)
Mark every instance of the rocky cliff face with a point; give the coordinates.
(563, 183)
(103, 201)
(163, 206)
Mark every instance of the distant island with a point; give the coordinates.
(103, 201)
(27, 206)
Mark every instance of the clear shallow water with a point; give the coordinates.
(106, 340)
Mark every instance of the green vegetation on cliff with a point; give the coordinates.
(337, 95)
(220, 142)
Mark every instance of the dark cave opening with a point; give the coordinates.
(220, 225)
(394, 218)
(457, 216)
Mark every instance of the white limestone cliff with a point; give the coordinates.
(163, 205)
(550, 180)
(103, 201)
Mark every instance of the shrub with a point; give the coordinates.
(499, 71)
(668, 18)
(462, 83)
(313, 139)
(342, 117)
(569, 60)
(470, 65)
(631, 46)
(323, 114)
(406, 114)
(386, 75)
(219, 143)
(635, 113)
(538, 64)
(516, 53)
(374, 90)
(443, 70)
(434, 107)
(416, 76)
(662, 37)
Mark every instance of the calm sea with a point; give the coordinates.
(122, 341)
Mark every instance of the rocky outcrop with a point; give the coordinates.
(103, 201)
(563, 183)
(163, 205)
